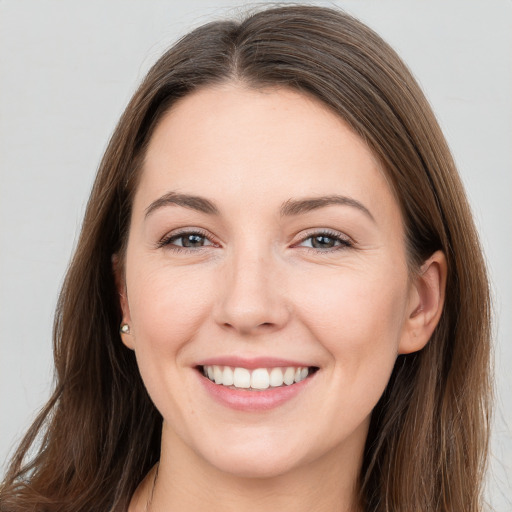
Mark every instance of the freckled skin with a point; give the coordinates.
(258, 288)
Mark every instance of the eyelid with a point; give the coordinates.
(165, 241)
(346, 241)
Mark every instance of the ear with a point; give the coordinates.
(426, 303)
(120, 281)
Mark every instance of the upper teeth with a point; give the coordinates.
(260, 378)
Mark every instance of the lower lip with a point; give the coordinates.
(244, 400)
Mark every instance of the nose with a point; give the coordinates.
(252, 299)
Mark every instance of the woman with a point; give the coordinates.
(278, 299)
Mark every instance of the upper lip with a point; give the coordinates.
(251, 363)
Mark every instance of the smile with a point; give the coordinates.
(257, 379)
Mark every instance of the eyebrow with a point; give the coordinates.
(298, 206)
(289, 208)
(197, 203)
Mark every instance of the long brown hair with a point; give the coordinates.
(426, 450)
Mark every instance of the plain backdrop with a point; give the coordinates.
(68, 68)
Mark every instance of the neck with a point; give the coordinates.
(187, 482)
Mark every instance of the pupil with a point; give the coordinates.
(322, 242)
(192, 241)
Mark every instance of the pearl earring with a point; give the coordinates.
(124, 329)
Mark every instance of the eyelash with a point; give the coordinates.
(167, 240)
(343, 241)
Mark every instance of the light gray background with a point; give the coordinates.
(67, 69)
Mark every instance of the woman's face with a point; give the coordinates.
(265, 237)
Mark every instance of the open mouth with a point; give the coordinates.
(258, 379)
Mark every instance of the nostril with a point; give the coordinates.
(247, 327)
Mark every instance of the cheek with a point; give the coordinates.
(358, 321)
(167, 306)
(353, 303)
(358, 318)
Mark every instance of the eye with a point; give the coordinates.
(325, 241)
(185, 240)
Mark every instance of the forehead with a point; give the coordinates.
(232, 143)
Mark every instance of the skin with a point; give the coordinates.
(257, 287)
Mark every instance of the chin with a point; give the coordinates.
(259, 467)
(254, 455)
